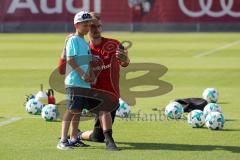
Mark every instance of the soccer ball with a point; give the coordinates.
(196, 118)
(174, 110)
(211, 107)
(33, 106)
(123, 110)
(50, 112)
(210, 95)
(85, 111)
(215, 121)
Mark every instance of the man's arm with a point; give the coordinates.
(63, 59)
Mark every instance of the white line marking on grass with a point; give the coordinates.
(212, 51)
(11, 120)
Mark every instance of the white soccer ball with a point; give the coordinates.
(210, 95)
(85, 112)
(50, 112)
(211, 107)
(215, 121)
(33, 106)
(124, 109)
(196, 119)
(174, 110)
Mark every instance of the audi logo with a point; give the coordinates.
(206, 6)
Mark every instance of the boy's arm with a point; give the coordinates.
(71, 55)
(82, 74)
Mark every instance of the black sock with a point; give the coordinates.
(110, 144)
(108, 135)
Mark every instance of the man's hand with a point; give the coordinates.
(122, 56)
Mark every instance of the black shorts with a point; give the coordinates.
(76, 101)
(92, 99)
(97, 135)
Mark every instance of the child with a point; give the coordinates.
(77, 77)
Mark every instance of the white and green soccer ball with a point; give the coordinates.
(196, 119)
(33, 106)
(211, 107)
(210, 95)
(174, 110)
(50, 112)
(215, 121)
(85, 112)
(124, 109)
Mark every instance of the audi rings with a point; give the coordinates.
(206, 6)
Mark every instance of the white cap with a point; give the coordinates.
(82, 16)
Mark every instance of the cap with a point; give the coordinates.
(82, 17)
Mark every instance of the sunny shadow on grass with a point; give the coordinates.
(177, 147)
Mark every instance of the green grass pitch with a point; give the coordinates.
(26, 60)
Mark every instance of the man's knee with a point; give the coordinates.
(97, 135)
